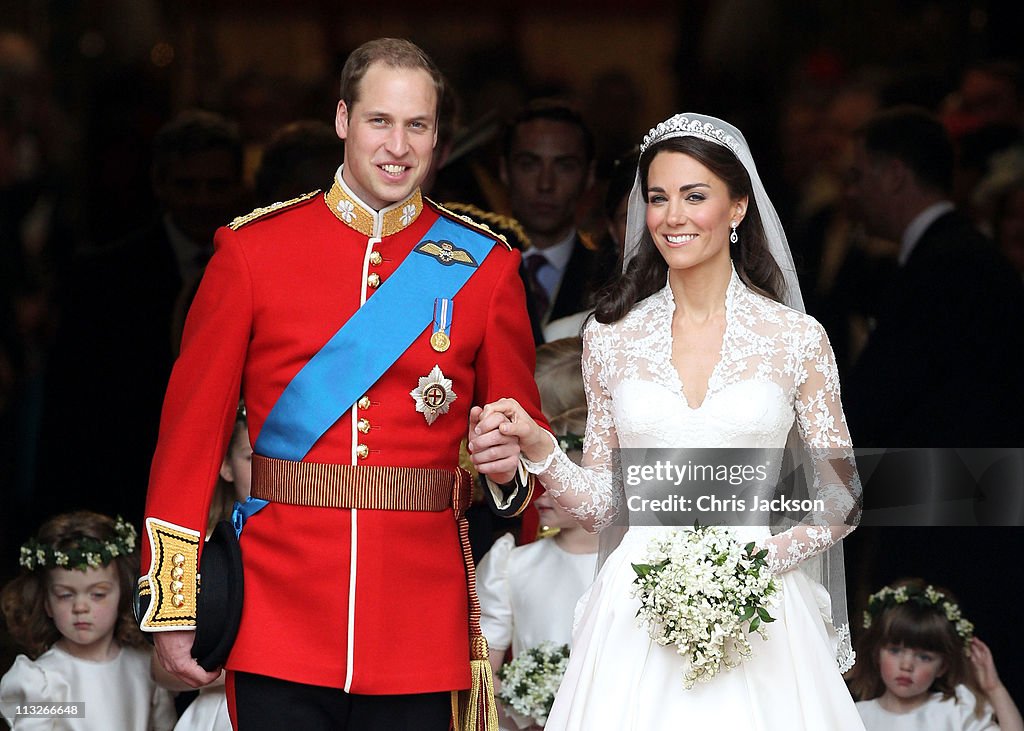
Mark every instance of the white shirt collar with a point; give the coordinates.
(913, 233)
(558, 255)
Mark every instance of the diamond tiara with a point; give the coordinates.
(682, 126)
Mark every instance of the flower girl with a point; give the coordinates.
(920, 667)
(87, 667)
(528, 594)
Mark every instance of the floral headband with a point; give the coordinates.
(928, 597)
(87, 553)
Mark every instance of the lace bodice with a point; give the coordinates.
(775, 366)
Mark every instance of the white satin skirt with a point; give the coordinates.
(618, 679)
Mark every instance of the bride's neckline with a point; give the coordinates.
(735, 285)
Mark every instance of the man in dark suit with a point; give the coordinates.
(121, 315)
(547, 165)
(941, 367)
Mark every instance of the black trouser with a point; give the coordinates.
(261, 703)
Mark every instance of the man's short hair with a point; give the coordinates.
(554, 110)
(916, 138)
(193, 131)
(393, 52)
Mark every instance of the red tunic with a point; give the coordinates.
(370, 601)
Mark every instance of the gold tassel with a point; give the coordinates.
(474, 709)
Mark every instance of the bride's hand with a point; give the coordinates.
(511, 420)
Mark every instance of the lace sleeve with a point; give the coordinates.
(587, 491)
(826, 455)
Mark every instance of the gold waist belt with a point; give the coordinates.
(367, 487)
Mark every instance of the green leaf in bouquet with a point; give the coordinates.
(642, 569)
(755, 623)
(748, 612)
(763, 614)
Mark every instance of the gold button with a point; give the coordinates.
(177, 572)
(363, 403)
(178, 559)
(177, 586)
(363, 425)
(178, 600)
(376, 258)
(373, 280)
(362, 451)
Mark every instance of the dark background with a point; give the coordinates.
(100, 77)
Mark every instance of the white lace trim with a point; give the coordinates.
(845, 656)
(537, 468)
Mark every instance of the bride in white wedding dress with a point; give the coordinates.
(695, 349)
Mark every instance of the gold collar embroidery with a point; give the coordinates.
(354, 213)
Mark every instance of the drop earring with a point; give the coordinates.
(734, 237)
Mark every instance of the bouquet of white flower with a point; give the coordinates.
(530, 679)
(703, 592)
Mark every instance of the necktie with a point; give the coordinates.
(540, 294)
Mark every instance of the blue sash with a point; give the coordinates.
(372, 339)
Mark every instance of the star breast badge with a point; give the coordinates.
(446, 252)
(434, 395)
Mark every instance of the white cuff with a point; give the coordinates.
(535, 468)
(501, 500)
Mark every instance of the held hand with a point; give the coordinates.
(512, 420)
(174, 650)
(494, 454)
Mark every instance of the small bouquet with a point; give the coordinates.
(530, 679)
(703, 592)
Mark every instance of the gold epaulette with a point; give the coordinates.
(267, 210)
(481, 227)
(171, 584)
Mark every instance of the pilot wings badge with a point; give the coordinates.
(446, 253)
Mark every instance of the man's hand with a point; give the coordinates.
(498, 422)
(494, 454)
(174, 650)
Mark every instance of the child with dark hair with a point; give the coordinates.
(920, 667)
(70, 608)
(209, 711)
(528, 594)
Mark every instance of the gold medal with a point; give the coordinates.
(440, 342)
(439, 339)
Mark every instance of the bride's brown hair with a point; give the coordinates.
(647, 271)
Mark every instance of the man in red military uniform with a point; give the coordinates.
(356, 610)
